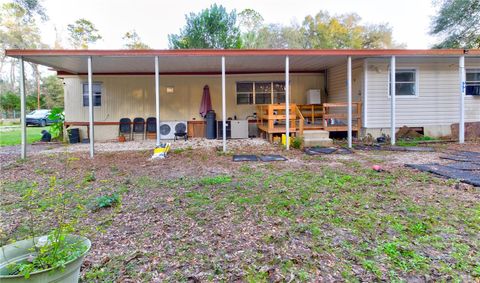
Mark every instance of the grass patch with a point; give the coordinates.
(13, 137)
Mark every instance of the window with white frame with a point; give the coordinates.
(405, 82)
(261, 92)
(473, 82)
(97, 94)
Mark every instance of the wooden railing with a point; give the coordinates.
(336, 115)
(327, 116)
(301, 121)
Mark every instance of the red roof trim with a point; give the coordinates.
(245, 52)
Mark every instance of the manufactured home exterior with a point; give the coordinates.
(433, 89)
(434, 106)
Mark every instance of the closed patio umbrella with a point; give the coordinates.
(206, 104)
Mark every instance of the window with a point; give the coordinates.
(97, 94)
(260, 92)
(405, 82)
(473, 82)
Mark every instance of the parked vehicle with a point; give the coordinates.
(39, 118)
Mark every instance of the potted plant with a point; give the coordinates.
(56, 256)
(121, 138)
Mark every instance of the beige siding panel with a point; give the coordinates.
(134, 96)
(437, 102)
(337, 82)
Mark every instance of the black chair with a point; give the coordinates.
(125, 128)
(139, 127)
(151, 128)
(180, 132)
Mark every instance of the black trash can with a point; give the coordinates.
(74, 135)
(211, 127)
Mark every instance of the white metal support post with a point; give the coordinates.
(287, 102)
(392, 99)
(224, 108)
(461, 123)
(23, 110)
(157, 99)
(349, 93)
(90, 107)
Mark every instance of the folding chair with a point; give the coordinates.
(151, 128)
(138, 127)
(125, 128)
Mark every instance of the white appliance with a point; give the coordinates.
(168, 129)
(239, 129)
(313, 96)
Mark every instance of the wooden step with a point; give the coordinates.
(311, 142)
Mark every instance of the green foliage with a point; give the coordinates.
(9, 101)
(56, 129)
(82, 33)
(216, 180)
(297, 142)
(107, 200)
(52, 88)
(414, 141)
(133, 41)
(31, 101)
(318, 31)
(457, 23)
(213, 27)
(55, 250)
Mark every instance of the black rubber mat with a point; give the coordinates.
(244, 157)
(466, 166)
(469, 177)
(409, 148)
(344, 151)
(271, 157)
(319, 150)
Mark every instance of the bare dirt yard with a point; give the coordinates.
(198, 217)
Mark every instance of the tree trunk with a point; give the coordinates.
(37, 72)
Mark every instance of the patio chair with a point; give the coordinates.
(151, 128)
(125, 128)
(180, 132)
(138, 127)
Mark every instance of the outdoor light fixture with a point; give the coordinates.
(170, 89)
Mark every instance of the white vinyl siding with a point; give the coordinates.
(438, 88)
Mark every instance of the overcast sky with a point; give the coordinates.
(154, 20)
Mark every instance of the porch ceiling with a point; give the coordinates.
(207, 61)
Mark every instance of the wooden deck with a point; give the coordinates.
(330, 117)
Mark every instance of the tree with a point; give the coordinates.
(9, 101)
(133, 41)
(52, 87)
(18, 31)
(33, 7)
(250, 22)
(458, 23)
(211, 28)
(345, 31)
(82, 33)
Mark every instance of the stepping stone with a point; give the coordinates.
(271, 157)
(319, 150)
(244, 157)
(344, 151)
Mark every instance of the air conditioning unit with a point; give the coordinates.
(169, 128)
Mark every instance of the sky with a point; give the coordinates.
(154, 20)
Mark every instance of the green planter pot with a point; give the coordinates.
(19, 251)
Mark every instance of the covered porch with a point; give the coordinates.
(289, 118)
